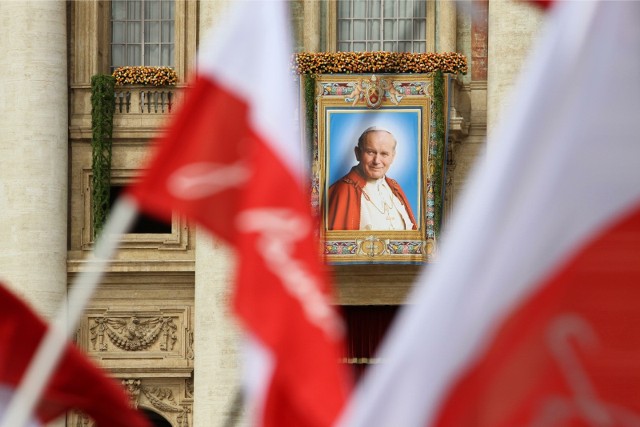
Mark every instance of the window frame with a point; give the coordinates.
(332, 26)
(185, 32)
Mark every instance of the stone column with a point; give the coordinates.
(513, 27)
(216, 364)
(446, 26)
(34, 151)
(311, 29)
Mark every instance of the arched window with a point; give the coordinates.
(155, 419)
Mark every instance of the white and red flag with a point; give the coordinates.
(76, 383)
(530, 317)
(232, 161)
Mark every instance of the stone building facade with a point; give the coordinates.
(159, 321)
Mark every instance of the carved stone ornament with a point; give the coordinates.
(83, 420)
(188, 388)
(132, 387)
(133, 334)
(163, 400)
(190, 354)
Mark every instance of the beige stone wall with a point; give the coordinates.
(33, 151)
(311, 20)
(217, 376)
(217, 366)
(513, 26)
(446, 26)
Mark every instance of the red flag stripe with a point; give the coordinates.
(565, 164)
(76, 383)
(570, 351)
(231, 162)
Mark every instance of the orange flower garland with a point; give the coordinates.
(378, 62)
(142, 75)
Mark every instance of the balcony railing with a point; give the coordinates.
(145, 100)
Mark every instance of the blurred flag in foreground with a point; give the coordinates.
(232, 161)
(530, 317)
(75, 384)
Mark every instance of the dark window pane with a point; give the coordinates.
(144, 224)
(366, 326)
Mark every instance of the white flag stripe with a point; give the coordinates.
(566, 151)
(6, 393)
(257, 366)
(258, 72)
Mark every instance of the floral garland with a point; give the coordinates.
(378, 62)
(142, 75)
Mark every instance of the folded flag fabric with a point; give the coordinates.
(232, 161)
(529, 316)
(77, 383)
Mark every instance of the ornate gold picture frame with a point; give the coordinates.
(399, 105)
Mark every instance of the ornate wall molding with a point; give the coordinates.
(169, 397)
(124, 338)
(133, 334)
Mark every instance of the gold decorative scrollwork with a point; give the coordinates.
(371, 246)
(373, 91)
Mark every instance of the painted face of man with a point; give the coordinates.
(376, 154)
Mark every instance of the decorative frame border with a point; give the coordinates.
(376, 91)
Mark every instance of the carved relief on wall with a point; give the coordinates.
(133, 334)
(169, 397)
(165, 333)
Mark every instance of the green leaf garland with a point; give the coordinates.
(438, 159)
(102, 110)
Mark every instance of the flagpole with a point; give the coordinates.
(233, 415)
(52, 346)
